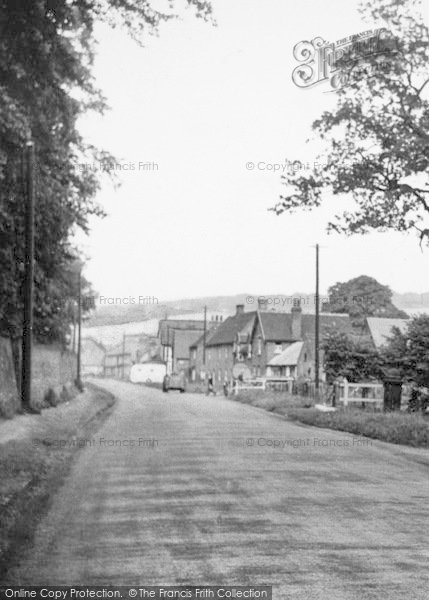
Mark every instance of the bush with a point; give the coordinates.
(51, 398)
(395, 427)
(273, 401)
(65, 395)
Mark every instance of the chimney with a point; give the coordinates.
(296, 320)
(262, 304)
(239, 309)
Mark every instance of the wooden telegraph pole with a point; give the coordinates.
(79, 331)
(205, 335)
(123, 356)
(27, 331)
(317, 329)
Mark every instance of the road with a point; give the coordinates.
(214, 499)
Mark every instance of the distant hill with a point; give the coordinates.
(120, 314)
(411, 300)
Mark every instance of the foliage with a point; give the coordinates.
(410, 350)
(395, 427)
(46, 54)
(344, 357)
(377, 141)
(362, 297)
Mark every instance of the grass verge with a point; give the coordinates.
(30, 472)
(395, 427)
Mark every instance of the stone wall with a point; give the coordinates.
(8, 391)
(52, 369)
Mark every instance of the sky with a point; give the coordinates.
(188, 112)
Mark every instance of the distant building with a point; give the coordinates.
(262, 343)
(92, 357)
(134, 349)
(380, 329)
(167, 331)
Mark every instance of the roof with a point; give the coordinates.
(89, 339)
(227, 331)
(338, 321)
(177, 324)
(289, 356)
(199, 341)
(277, 326)
(182, 342)
(381, 328)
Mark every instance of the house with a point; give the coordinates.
(117, 364)
(92, 357)
(197, 355)
(167, 332)
(134, 348)
(248, 343)
(182, 340)
(380, 329)
(285, 363)
(178, 334)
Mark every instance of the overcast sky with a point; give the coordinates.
(201, 102)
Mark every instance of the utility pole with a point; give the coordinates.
(317, 328)
(205, 335)
(168, 350)
(172, 349)
(27, 331)
(123, 356)
(79, 331)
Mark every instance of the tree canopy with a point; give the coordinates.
(362, 297)
(409, 350)
(354, 360)
(377, 139)
(46, 54)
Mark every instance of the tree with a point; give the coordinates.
(46, 54)
(344, 357)
(409, 350)
(362, 297)
(377, 140)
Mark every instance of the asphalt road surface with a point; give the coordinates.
(185, 489)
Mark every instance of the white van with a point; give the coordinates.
(148, 373)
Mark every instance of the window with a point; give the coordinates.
(277, 348)
(219, 353)
(305, 356)
(194, 354)
(209, 354)
(259, 351)
(226, 351)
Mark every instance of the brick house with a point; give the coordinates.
(197, 369)
(182, 339)
(256, 340)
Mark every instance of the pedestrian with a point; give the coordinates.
(210, 386)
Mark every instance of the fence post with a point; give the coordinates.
(346, 392)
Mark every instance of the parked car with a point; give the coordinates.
(175, 381)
